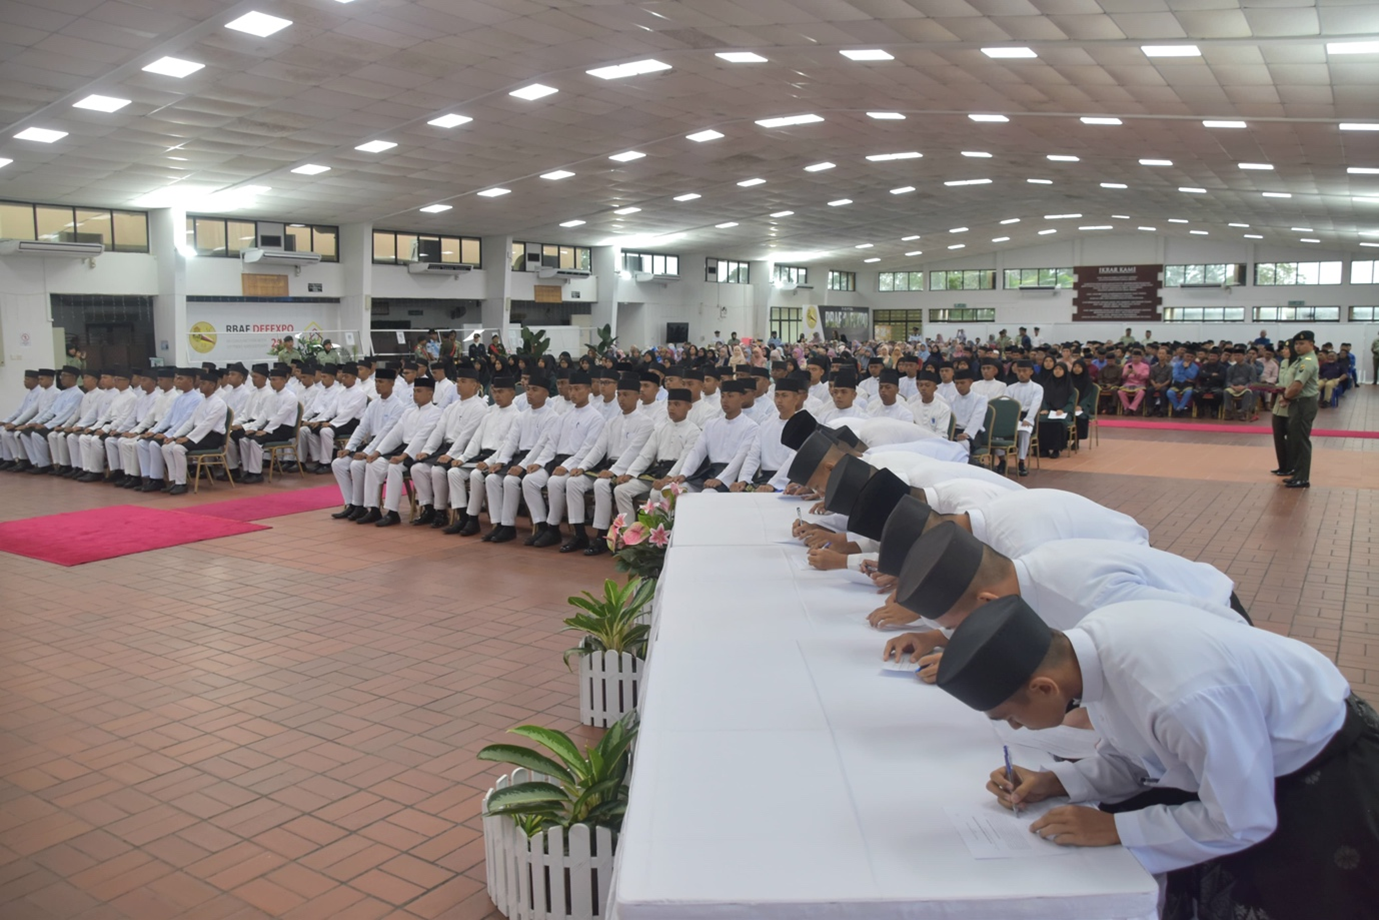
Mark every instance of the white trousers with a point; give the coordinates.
(36, 446)
(376, 474)
(112, 454)
(92, 453)
(458, 481)
(603, 501)
(129, 456)
(232, 450)
(9, 446)
(175, 458)
(504, 494)
(1022, 437)
(556, 496)
(628, 495)
(251, 456)
(575, 490)
(352, 476)
(316, 446)
(57, 446)
(532, 484)
(432, 484)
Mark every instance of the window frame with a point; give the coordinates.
(459, 242)
(886, 281)
(890, 317)
(229, 252)
(1192, 274)
(967, 314)
(1198, 314)
(789, 320)
(841, 280)
(1261, 269)
(1286, 314)
(646, 256)
(1373, 316)
(1061, 278)
(965, 278)
(790, 274)
(712, 273)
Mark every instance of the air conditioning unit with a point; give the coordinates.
(438, 268)
(1039, 290)
(804, 287)
(642, 276)
(786, 285)
(60, 250)
(547, 272)
(666, 278)
(572, 273)
(280, 257)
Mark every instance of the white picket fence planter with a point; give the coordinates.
(609, 686)
(557, 875)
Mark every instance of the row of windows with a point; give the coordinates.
(1266, 274)
(896, 325)
(1272, 273)
(227, 238)
(792, 274)
(529, 257)
(394, 247)
(842, 281)
(1218, 273)
(654, 262)
(120, 231)
(787, 323)
(1267, 314)
(963, 315)
(900, 281)
(727, 271)
(1016, 278)
(965, 280)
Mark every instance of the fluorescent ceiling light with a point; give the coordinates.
(1369, 244)
(819, 167)
(1302, 229)
(4, 162)
(688, 196)
(1008, 53)
(1046, 232)
(493, 192)
(1362, 170)
(450, 121)
(1176, 220)
(1245, 226)
(748, 183)
(1265, 166)
(1358, 126)
(101, 103)
(1352, 47)
(42, 135)
(311, 169)
(1114, 185)
(786, 121)
(435, 208)
(1192, 190)
(887, 157)
(958, 230)
(956, 182)
(994, 119)
(173, 67)
(376, 146)
(1010, 220)
(741, 57)
(886, 116)
(1150, 229)
(726, 224)
(534, 91)
(557, 174)
(1061, 216)
(907, 239)
(873, 259)
(1094, 120)
(708, 134)
(1365, 200)
(1252, 236)
(633, 69)
(1308, 240)
(864, 246)
(1000, 239)
(1156, 162)
(1120, 216)
(1062, 158)
(874, 54)
(573, 223)
(920, 252)
(1216, 123)
(260, 24)
(627, 156)
(977, 154)
(1096, 227)
(782, 213)
(1171, 50)
(1277, 194)
(1040, 181)
(903, 190)
(1198, 232)
(839, 202)
(958, 246)
(627, 210)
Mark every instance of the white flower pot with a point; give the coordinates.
(556, 875)
(609, 686)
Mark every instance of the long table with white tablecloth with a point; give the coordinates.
(779, 774)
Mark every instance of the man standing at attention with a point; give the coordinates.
(1300, 389)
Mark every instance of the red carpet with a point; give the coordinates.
(1224, 429)
(79, 537)
(272, 505)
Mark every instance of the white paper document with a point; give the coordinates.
(903, 668)
(1057, 415)
(993, 832)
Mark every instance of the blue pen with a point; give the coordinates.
(1010, 777)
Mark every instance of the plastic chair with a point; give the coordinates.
(952, 426)
(1002, 421)
(212, 457)
(275, 449)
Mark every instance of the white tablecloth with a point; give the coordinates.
(779, 775)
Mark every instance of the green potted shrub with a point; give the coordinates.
(551, 826)
(612, 653)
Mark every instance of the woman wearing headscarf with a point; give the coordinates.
(1086, 396)
(1044, 371)
(737, 358)
(1059, 396)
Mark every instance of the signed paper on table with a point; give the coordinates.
(993, 832)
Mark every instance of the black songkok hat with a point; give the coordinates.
(280, 370)
(845, 378)
(790, 384)
(889, 375)
(260, 369)
(938, 570)
(994, 652)
(464, 373)
(504, 382)
(875, 502)
(794, 432)
(649, 377)
(679, 394)
(629, 382)
(386, 373)
(424, 383)
(929, 374)
(578, 377)
(165, 373)
(206, 374)
(964, 373)
(349, 367)
(844, 484)
(902, 528)
(807, 459)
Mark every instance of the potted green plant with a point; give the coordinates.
(551, 826)
(535, 342)
(612, 653)
(639, 545)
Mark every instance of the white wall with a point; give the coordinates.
(221, 277)
(25, 316)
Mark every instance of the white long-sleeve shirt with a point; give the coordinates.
(531, 425)
(702, 412)
(93, 405)
(898, 410)
(457, 425)
(139, 408)
(153, 412)
(932, 416)
(63, 407)
(954, 496)
(969, 412)
(378, 419)
(720, 442)
(208, 417)
(492, 431)
(1018, 522)
(620, 440)
(573, 435)
(922, 471)
(1031, 398)
(669, 441)
(349, 405)
(831, 413)
(278, 410)
(253, 405)
(991, 389)
(323, 406)
(411, 431)
(120, 403)
(766, 452)
(1196, 703)
(28, 408)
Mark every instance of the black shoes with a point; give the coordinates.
(1286, 473)
(501, 534)
(459, 525)
(370, 516)
(597, 547)
(540, 531)
(359, 512)
(1296, 484)
(1001, 467)
(1024, 470)
(391, 519)
(179, 489)
(427, 516)
(471, 527)
(344, 513)
(576, 542)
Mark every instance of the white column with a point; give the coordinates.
(496, 252)
(169, 246)
(356, 269)
(606, 263)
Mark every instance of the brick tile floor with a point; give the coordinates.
(283, 723)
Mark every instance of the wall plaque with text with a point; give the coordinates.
(1116, 293)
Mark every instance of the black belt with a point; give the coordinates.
(763, 477)
(1356, 711)
(659, 469)
(707, 471)
(557, 460)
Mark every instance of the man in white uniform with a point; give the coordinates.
(886, 403)
(33, 435)
(11, 452)
(713, 462)
(163, 397)
(503, 479)
(843, 405)
(397, 452)
(989, 386)
(350, 465)
(573, 438)
(151, 442)
(931, 412)
(458, 423)
(277, 418)
(969, 412)
(1031, 398)
(469, 466)
(205, 430)
(660, 460)
(618, 444)
(767, 464)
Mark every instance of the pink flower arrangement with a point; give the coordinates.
(639, 545)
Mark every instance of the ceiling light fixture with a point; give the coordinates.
(958, 230)
(1120, 216)
(887, 157)
(1096, 227)
(100, 103)
(534, 91)
(1062, 158)
(1008, 53)
(839, 202)
(1171, 50)
(1370, 244)
(1362, 170)
(874, 54)
(1061, 216)
(726, 224)
(977, 154)
(707, 135)
(1176, 220)
(376, 146)
(782, 213)
(573, 223)
(628, 210)
(4, 162)
(873, 259)
(1277, 194)
(1150, 229)
(1217, 123)
(1010, 220)
(1245, 226)
(740, 57)
(1263, 166)
(903, 190)
(173, 67)
(493, 192)
(450, 121)
(42, 135)
(1000, 239)
(1199, 233)
(958, 246)
(1252, 236)
(748, 183)
(819, 167)
(688, 196)
(435, 208)
(1097, 120)
(1114, 185)
(920, 252)
(1302, 229)
(786, 121)
(1352, 47)
(627, 156)
(908, 239)
(1308, 240)
(311, 169)
(864, 246)
(1358, 126)
(557, 174)
(1365, 200)
(886, 116)
(1192, 190)
(1156, 162)
(260, 24)
(1046, 232)
(956, 182)
(1040, 181)
(633, 69)
(993, 119)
